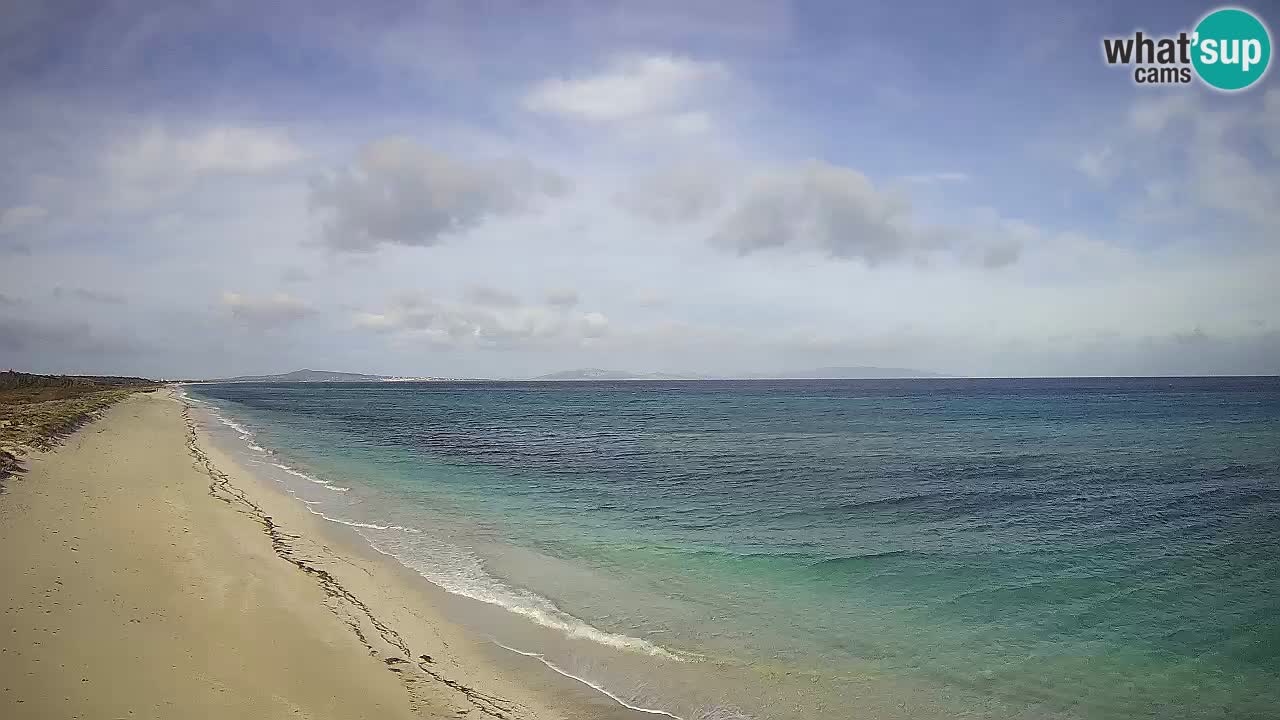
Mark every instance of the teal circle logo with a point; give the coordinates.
(1232, 49)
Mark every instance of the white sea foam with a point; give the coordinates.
(352, 523)
(300, 474)
(364, 525)
(460, 572)
(212, 410)
(598, 688)
(244, 432)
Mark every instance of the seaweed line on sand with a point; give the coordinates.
(220, 487)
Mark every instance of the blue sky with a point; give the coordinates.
(498, 189)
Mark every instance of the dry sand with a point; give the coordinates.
(143, 576)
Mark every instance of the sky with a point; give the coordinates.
(502, 189)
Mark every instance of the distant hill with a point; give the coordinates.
(306, 376)
(598, 374)
(858, 372)
(586, 374)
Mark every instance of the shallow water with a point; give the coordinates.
(1005, 548)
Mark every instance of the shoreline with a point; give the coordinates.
(137, 595)
(359, 616)
(580, 673)
(402, 590)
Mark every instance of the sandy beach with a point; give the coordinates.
(145, 576)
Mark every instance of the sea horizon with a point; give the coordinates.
(728, 378)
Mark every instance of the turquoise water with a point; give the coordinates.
(1002, 548)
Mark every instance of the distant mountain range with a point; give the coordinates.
(598, 374)
(319, 376)
(827, 373)
(857, 372)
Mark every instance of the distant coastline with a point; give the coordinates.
(592, 374)
(825, 373)
(320, 376)
(601, 375)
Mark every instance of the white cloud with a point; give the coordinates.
(1155, 114)
(1207, 154)
(1229, 181)
(98, 297)
(400, 192)
(1096, 163)
(819, 207)
(476, 321)
(563, 298)
(938, 177)
(275, 311)
(1271, 120)
(157, 169)
(679, 193)
(160, 155)
(690, 123)
(642, 96)
(491, 297)
(294, 274)
(839, 212)
(20, 216)
(632, 86)
(376, 321)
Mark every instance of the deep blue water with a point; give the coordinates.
(1054, 547)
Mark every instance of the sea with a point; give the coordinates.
(721, 550)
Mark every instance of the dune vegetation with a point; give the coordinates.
(38, 410)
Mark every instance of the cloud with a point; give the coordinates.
(400, 192)
(276, 311)
(819, 207)
(1224, 178)
(158, 169)
(90, 296)
(491, 297)
(20, 216)
(938, 177)
(675, 194)
(563, 298)
(1155, 114)
(840, 213)
(294, 274)
(1184, 162)
(160, 155)
(632, 86)
(650, 298)
(1271, 120)
(1096, 164)
(479, 322)
(986, 236)
(41, 340)
(665, 93)
(1216, 158)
